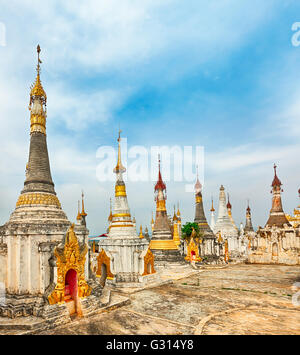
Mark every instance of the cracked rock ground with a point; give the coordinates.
(239, 299)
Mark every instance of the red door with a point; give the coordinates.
(71, 287)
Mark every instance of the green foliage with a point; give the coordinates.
(188, 228)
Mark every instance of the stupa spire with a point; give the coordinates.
(248, 225)
(176, 224)
(83, 214)
(224, 223)
(212, 218)
(152, 221)
(178, 211)
(228, 204)
(198, 186)
(160, 189)
(119, 169)
(38, 186)
(229, 207)
(212, 205)
(121, 223)
(160, 185)
(175, 218)
(120, 189)
(141, 236)
(78, 218)
(277, 216)
(200, 217)
(162, 244)
(38, 102)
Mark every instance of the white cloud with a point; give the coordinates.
(79, 109)
(121, 34)
(241, 157)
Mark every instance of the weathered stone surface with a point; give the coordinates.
(239, 299)
(275, 245)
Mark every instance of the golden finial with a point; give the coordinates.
(119, 168)
(83, 214)
(175, 217)
(38, 49)
(37, 88)
(178, 211)
(141, 232)
(78, 215)
(212, 205)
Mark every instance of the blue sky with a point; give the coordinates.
(221, 74)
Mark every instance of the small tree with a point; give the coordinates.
(187, 230)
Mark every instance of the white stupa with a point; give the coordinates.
(224, 224)
(125, 258)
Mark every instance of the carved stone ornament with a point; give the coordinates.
(70, 256)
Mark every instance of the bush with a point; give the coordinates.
(187, 230)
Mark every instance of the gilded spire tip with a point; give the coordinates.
(83, 213)
(212, 205)
(78, 214)
(37, 88)
(119, 167)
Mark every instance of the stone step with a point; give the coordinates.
(20, 323)
(105, 297)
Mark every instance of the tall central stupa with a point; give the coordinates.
(35, 236)
(38, 201)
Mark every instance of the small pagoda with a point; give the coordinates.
(165, 240)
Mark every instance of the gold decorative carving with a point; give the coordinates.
(163, 245)
(192, 251)
(72, 256)
(294, 220)
(37, 89)
(38, 199)
(117, 215)
(220, 239)
(226, 252)
(141, 236)
(121, 225)
(149, 259)
(104, 259)
(198, 199)
(176, 237)
(38, 123)
(161, 205)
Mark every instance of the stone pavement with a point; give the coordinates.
(238, 299)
